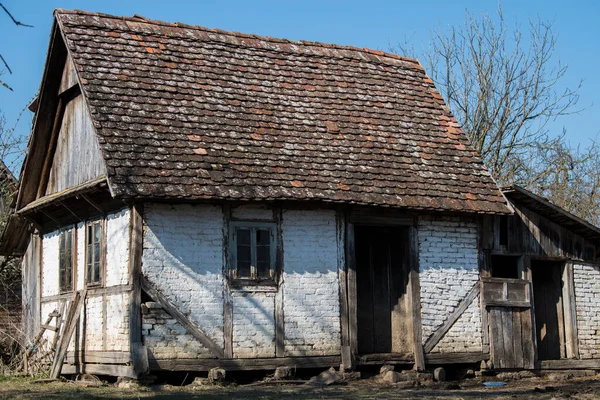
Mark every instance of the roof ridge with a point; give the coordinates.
(138, 18)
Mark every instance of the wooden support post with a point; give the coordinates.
(352, 292)
(342, 271)
(279, 299)
(139, 357)
(227, 299)
(570, 313)
(414, 298)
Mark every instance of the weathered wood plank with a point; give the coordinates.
(452, 318)
(386, 358)
(352, 289)
(100, 369)
(136, 243)
(570, 313)
(346, 353)
(455, 358)
(497, 341)
(98, 357)
(279, 299)
(517, 338)
(568, 364)
(227, 299)
(71, 323)
(243, 364)
(508, 337)
(414, 298)
(195, 331)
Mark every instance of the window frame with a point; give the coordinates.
(232, 250)
(102, 249)
(72, 230)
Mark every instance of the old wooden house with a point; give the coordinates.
(223, 199)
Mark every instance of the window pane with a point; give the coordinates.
(97, 253)
(97, 232)
(244, 253)
(243, 236)
(263, 253)
(263, 237)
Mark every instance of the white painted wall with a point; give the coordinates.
(311, 283)
(448, 262)
(117, 248)
(183, 257)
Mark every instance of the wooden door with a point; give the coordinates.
(382, 277)
(511, 339)
(548, 304)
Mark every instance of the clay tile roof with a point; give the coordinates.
(185, 112)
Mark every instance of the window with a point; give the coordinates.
(506, 267)
(253, 251)
(65, 259)
(93, 257)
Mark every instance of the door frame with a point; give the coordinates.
(349, 289)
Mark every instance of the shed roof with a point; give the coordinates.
(185, 112)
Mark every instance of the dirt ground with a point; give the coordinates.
(531, 388)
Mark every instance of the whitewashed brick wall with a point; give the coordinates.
(117, 320)
(183, 257)
(117, 248)
(94, 324)
(50, 285)
(587, 304)
(311, 288)
(448, 265)
(253, 324)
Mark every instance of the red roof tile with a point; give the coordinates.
(192, 113)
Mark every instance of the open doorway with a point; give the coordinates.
(382, 277)
(548, 303)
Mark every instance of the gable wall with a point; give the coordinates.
(77, 158)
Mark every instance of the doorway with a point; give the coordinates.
(382, 277)
(549, 312)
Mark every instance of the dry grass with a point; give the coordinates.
(536, 388)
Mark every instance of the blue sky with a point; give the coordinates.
(367, 23)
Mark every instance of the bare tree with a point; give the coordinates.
(17, 23)
(502, 86)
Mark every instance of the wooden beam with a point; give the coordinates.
(452, 318)
(456, 358)
(71, 211)
(243, 364)
(346, 352)
(227, 299)
(413, 291)
(92, 203)
(568, 364)
(352, 291)
(570, 312)
(386, 358)
(98, 357)
(49, 155)
(101, 369)
(279, 299)
(195, 331)
(139, 357)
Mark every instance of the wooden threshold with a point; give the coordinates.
(456, 358)
(568, 364)
(243, 364)
(386, 358)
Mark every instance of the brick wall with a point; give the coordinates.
(183, 257)
(448, 270)
(311, 288)
(253, 324)
(587, 304)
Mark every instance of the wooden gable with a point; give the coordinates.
(77, 158)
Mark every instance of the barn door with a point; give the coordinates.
(382, 276)
(508, 306)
